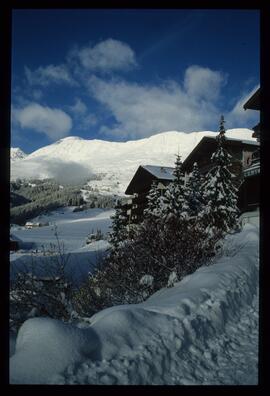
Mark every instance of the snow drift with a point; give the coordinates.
(201, 331)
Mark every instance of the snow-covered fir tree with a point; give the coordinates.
(219, 193)
(154, 198)
(118, 227)
(193, 192)
(174, 202)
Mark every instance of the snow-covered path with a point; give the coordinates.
(204, 330)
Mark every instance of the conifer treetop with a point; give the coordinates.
(221, 136)
(178, 171)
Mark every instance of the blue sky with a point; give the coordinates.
(128, 74)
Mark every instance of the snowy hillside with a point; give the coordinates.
(111, 164)
(16, 154)
(204, 330)
(72, 229)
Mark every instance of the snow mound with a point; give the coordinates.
(46, 346)
(201, 331)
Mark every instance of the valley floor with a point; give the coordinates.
(201, 331)
(72, 231)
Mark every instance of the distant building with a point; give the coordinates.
(249, 191)
(14, 243)
(30, 225)
(139, 188)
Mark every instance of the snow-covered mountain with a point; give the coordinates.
(16, 154)
(111, 164)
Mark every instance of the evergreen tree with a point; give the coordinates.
(193, 192)
(119, 230)
(174, 201)
(153, 201)
(220, 194)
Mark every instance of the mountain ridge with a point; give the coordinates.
(17, 154)
(110, 165)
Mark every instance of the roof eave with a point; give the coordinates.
(253, 103)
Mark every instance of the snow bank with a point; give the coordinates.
(180, 335)
(46, 346)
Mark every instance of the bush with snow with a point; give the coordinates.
(181, 231)
(47, 294)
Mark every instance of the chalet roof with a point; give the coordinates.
(253, 102)
(160, 172)
(204, 145)
(144, 176)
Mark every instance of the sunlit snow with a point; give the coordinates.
(110, 165)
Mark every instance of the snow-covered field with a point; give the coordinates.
(204, 330)
(72, 230)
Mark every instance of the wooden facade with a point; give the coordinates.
(254, 103)
(249, 191)
(240, 150)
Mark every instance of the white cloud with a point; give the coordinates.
(106, 56)
(203, 83)
(63, 171)
(84, 120)
(55, 123)
(79, 107)
(238, 117)
(46, 75)
(140, 110)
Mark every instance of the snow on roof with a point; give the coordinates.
(161, 172)
(255, 143)
(244, 141)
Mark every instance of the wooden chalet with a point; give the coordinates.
(253, 103)
(249, 191)
(140, 185)
(14, 243)
(240, 150)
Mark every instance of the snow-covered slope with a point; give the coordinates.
(72, 230)
(16, 154)
(74, 158)
(204, 330)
